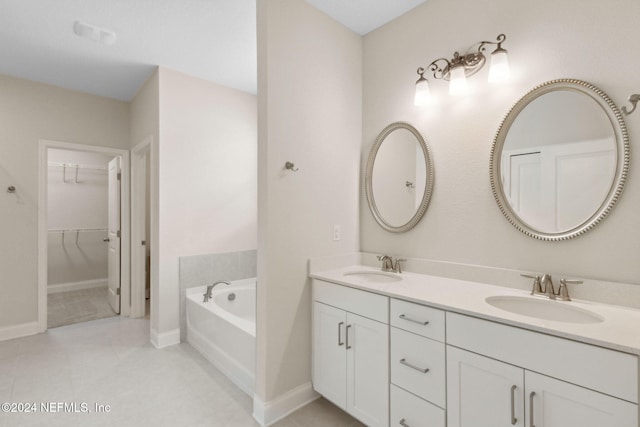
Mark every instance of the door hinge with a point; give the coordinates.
(118, 291)
(119, 176)
(143, 243)
(118, 234)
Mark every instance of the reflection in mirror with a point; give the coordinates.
(399, 177)
(559, 160)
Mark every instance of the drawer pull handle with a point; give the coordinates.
(348, 346)
(514, 420)
(340, 342)
(531, 424)
(420, 322)
(417, 368)
(403, 423)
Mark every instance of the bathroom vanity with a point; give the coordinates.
(417, 350)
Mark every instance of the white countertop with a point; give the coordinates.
(620, 329)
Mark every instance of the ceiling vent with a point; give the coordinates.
(96, 34)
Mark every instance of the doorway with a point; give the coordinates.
(83, 233)
(142, 224)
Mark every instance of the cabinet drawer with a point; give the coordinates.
(608, 371)
(416, 318)
(413, 411)
(364, 303)
(411, 356)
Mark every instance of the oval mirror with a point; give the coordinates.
(559, 160)
(399, 177)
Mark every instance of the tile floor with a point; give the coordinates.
(110, 362)
(67, 308)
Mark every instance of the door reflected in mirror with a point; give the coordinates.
(559, 160)
(557, 174)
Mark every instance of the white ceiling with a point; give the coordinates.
(211, 39)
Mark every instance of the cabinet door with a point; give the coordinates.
(367, 343)
(483, 392)
(329, 357)
(560, 404)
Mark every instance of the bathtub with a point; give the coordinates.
(223, 329)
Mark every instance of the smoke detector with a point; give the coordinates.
(93, 33)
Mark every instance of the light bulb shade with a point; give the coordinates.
(458, 81)
(423, 95)
(499, 70)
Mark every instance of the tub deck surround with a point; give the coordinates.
(618, 331)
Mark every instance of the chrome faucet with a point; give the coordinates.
(543, 286)
(389, 265)
(207, 294)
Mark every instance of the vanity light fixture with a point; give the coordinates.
(458, 68)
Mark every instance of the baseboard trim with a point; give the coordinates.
(76, 286)
(164, 339)
(17, 331)
(267, 413)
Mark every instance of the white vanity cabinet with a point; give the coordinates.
(351, 350)
(391, 362)
(418, 365)
(537, 380)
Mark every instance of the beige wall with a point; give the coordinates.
(29, 112)
(207, 179)
(145, 111)
(309, 86)
(592, 41)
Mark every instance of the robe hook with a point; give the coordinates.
(291, 167)
(633, 99)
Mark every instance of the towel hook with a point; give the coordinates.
(11, 189)
(291, 167)
(633, 99)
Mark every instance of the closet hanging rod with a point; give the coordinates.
(76, 230)
(79, 166)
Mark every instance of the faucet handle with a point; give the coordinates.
(398, 268)
(563, 291)
(537, 287)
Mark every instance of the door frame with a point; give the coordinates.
(139, 154)
(125, 266)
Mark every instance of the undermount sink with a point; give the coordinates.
(544, 309)
(375, 276)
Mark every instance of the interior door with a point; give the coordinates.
(113, 230)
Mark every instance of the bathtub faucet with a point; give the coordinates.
(207, 295)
